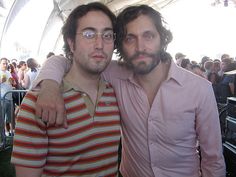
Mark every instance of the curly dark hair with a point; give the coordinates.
(72, 22)
(133, 12)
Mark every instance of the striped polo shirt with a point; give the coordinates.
(88, 147)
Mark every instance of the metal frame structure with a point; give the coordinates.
(60, 11)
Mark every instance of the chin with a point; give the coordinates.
(144, 68)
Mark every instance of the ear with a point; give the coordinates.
(71, 45)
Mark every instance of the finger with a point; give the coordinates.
(60, 117)
(65, 124)
(45, 115)
(38, 111)
(52, 117)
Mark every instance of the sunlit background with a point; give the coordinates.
(198, 28)
(201, 29)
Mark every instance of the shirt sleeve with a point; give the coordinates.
(30, 145)
(53, 68)
(209, 133)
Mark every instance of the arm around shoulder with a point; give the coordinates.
(53, 68)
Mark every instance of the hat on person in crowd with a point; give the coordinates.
(179, 55)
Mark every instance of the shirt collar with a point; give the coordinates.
(175, 73)
(67, 86)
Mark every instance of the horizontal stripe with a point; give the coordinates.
(107, 113)
(107, 103)
(27, 108)
(86, 149)
(31, 96)
(84, 140)
(83, 172)
(31, 122)
(109, 94)
(27, 156)
(26, 144)
(72, 97)
(83, 160)
(61, 133)
(75, 108)
(79, 119)
(30, 133)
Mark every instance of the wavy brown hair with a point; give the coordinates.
(131, 13)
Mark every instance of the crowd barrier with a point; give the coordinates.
(17, 96)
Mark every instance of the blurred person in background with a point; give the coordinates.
(203, 60)
(196, 69)
(31, 74)
(208, 67)
(14, 60)
(224, 56)
(186, 64)
(179, 57)
(50, 54)
(6, 82)
(22, 66)
(228, 65)
(14, 75)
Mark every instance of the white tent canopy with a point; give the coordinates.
(43, 21)
(31, 28)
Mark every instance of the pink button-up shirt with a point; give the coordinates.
(162, 140)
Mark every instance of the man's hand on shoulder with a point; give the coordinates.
(50, 104)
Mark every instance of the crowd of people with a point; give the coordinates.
(14, 75)
(217, 71)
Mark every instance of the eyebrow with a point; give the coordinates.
(94, 29)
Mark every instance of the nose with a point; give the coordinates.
(140, 45)
(98, 42)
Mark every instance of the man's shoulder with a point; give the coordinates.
(117, 70)
(187, 77)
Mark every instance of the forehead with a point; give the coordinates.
(95, 19)
(3, 61)
(141, 24)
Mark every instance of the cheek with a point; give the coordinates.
(128, 50)
(156, 46)
(109, 49)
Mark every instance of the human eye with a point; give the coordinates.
(148, 36)
(108, 35)
(89, 34)
(129, 39)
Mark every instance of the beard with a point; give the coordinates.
(143, 67)
(95, 69)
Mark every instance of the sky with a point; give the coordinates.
(198, 29)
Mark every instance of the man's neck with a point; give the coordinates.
(82, 79)
(152, 81)
(158, 74)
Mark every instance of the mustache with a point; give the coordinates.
(137, 54)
